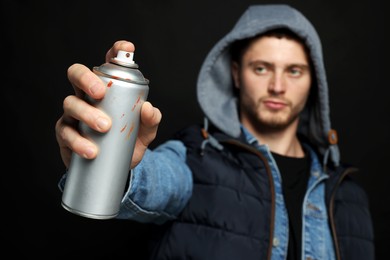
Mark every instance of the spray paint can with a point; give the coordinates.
(94, 188)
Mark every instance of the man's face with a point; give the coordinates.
(274, 81)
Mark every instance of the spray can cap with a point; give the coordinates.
(125, 58)
(126, 71)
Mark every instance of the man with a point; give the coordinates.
(261, 178)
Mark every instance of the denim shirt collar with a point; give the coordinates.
(316, 167)
(248, 136)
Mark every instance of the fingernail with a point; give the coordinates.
(94, 87)
(102, 123)
(89, 153)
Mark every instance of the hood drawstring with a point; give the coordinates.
(209, 139)
(333, 149)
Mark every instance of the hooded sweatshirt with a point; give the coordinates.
(221, 202)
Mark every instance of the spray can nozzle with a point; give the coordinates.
(124, 58)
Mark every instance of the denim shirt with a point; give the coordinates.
(317, 241)
(161, 185)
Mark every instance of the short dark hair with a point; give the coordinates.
(238, 48)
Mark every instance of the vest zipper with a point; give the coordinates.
(272, 187)
(331, 213)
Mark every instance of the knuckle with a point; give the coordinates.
(61, 134)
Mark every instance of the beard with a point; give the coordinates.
(264, 119)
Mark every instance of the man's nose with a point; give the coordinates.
(277, 83)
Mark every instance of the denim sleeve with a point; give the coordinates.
(160, 186)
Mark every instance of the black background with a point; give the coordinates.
(41, 39)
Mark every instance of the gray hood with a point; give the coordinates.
(215, 86)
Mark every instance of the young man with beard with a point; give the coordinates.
(261, 177)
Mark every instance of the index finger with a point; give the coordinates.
(84, 80)
(121, 45)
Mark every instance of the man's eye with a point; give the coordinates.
(296, 72)
(260, 70)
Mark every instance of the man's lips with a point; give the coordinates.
(274, 104)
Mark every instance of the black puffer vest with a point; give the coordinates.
(231, 212)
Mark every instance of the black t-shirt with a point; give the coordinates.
(295, 175)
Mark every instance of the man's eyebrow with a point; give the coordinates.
(300, 65)
(262, 62)
(271, 65)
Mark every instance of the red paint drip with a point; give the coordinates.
(130, 130)
(136, 102)
(109, 84)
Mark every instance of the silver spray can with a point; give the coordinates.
(94, 188)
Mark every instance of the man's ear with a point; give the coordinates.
(235, 74)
